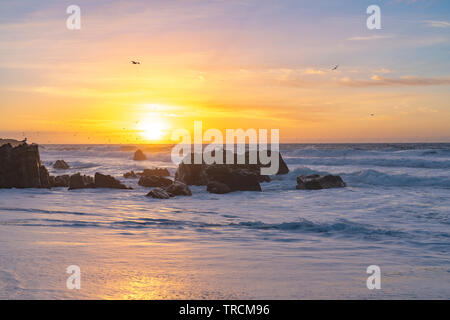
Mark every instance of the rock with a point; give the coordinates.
(317, 182)
(139, 156)
(236, 179)
(154, 181)
(60, 165)
(217, 187)
(191, 174)
(78, 181)
(45, 177)
(60, 181)
(160, 172)
(158, 193)
(20, 167)
(179, 189)
(130, 174)
(195, 174)
(106, 181)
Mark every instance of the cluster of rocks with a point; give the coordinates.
(160, 172)
(225, 178)
(177, 188)
(20, 167)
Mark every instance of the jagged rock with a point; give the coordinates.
(130, 174)
(139, 156)
(217, 187)
(236, 179)
(44, 177)
(195, 174)
(154, 181)
(191, 174)
(317, 182)
(158, 193)
(179, 189)
(160, 172)
(106, 181)
(60, 181)
(60, 165)
(78, 181)
(20, 167)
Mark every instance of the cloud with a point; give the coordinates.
(438, 24)
(374, 37)
(377, 80)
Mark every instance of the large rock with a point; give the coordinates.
(191, 174)
(159, 193)
(236, 179)
(154, 181)
(160, 172)
(106, 181)
(217, 187)
(78, 181)
(20, 167)
(196, 174)
(317, 182)
(60, 165)
(139, 156)
(45, 177)
(60, 181)
(178, 189)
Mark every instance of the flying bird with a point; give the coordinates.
(135, 62)
(335, 67)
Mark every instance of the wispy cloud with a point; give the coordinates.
(377, 80)
(438, 24)
(374, 37)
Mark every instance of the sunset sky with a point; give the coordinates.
(231, 64)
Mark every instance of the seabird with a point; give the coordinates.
(135, 62)
(335, 67)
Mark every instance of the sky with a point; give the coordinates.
(228, 63)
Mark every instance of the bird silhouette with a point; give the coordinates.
(135, 62)
(335, 67)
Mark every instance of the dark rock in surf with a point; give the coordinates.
(44, 177)
(217, 187)
(196, 174)
(20, 167)
(317, 182)
(106, 181)
(130, 175)
(160, 172)
(154, 181)
(78, 181)
(59, 181)
(236, 179)
(139, 156)
(60, 165)
(178, 189)
(159, 193)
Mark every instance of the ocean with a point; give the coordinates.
(281, 243)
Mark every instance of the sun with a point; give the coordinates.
(152, 129)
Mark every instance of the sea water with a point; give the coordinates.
(280, 243)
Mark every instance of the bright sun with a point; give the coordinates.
(152, 129)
